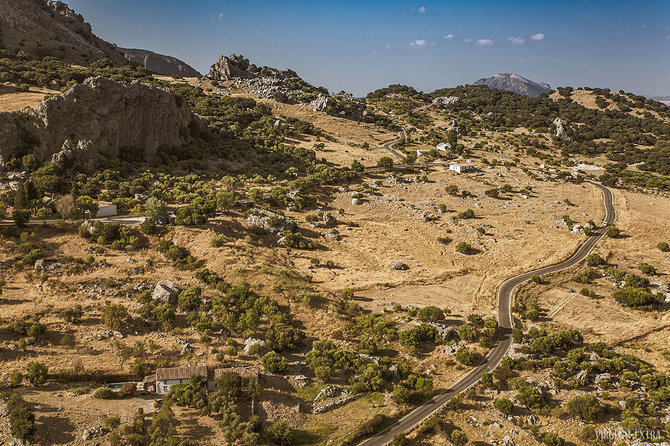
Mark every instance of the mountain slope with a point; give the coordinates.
(514, 83)
(159, 63)
(50, 28)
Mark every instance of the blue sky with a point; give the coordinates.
(358, 46)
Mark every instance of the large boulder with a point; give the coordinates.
(165, 292)
(399, 266)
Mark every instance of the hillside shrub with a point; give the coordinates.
(274, 362)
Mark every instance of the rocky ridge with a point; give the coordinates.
(159, 63)
(514, 83)
(264, 81)
(97, 118)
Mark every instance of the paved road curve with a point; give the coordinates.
(505, 293)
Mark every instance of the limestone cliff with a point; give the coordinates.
(97, 118)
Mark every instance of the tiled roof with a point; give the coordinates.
(180, 373)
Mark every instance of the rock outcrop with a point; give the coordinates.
(50, 28)
(514, 83)
(342, 105)
(97, 118)
(238, 67)
(271, 222)
(165, 292)
(159, 63)
(446, 100)
(563, 131)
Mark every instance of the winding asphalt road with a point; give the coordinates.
(505, 294)
(389, 145)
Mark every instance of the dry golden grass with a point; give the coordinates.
(12, 99)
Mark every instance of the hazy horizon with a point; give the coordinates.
(426, 44)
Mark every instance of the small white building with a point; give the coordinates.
(443, 147)
(462, 167)
(168, 377)
(106, 209)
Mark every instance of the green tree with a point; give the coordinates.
(115, 316)
(663, 247)
(21, 417)
(190, 299)
(487, 380)
(164, 423)
(552, 439)
(84, 204)
(20, 198)
(42, 214)
(30, 163)
(504, 405)
(594, 259)
(430, 314)
(587, 407)
(458, 437)
(464, 356)
(155, 208)
(463, 248)
(15, 379)
(274, 362)
(646, 268)
(613, 231)
(467, 332)
(36, 372)
(386, 162)
(20, 217)
(281, 433)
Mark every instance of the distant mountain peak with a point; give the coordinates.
(514, 83)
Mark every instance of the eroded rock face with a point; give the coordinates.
(97, 118)
(563, 131)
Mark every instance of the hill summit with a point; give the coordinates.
(514, 83)
(50, 28)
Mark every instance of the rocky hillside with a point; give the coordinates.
(50, 28)
(285, 86)
(159, 63)
(97, 118)
(514, 83)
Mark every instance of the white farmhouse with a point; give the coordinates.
(462, 167)
(106, 209)
(168, 377)
(443, 147)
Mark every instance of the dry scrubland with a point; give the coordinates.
(389, 225)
